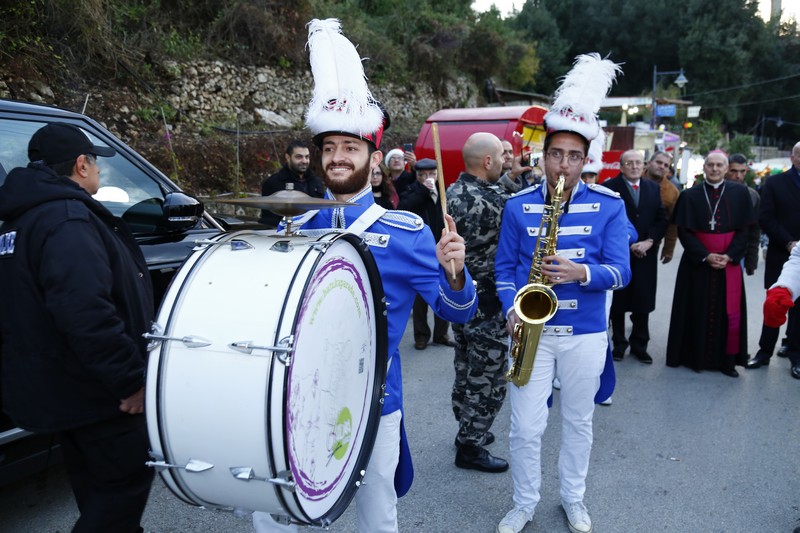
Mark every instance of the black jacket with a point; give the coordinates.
(417, 199)
(777, 216)
(76, 299)
(307, 183)
(650, 220)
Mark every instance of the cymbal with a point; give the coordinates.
(286, 203)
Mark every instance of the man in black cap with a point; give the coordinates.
(421, 197)
(77, 298)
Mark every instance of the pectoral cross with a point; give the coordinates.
(712, 223)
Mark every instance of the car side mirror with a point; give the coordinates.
(181, 210)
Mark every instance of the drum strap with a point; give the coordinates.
(359, 225)
(367, 219)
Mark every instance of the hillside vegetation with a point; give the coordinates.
(743, 72)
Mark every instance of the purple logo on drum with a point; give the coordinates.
(327, 402)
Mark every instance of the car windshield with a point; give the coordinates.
(122, 185)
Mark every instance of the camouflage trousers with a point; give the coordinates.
(480, 385)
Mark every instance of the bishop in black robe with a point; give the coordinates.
(708, 326)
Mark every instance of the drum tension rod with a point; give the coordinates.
(190, 341)
(246, 473)
(282, 351)
(193, 465)
(235, 244)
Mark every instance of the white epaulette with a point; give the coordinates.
(603, 190)
(526, 190)
(403, 219)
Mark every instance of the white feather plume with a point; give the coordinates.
(594, 159)
(342, 100)
(582, 90)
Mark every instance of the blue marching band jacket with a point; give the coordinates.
(593, 231)
(405, 252)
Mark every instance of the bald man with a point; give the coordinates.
(476, 203)
(708, 326)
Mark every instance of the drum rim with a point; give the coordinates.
(379, 381)
(175, 481)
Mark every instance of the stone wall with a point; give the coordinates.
(221, 93)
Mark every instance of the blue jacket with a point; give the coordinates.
(406, 259)
(593, 231)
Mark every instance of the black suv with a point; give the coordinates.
(166, 223)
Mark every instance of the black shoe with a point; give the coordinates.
(474, 457)
(730, 372)
(618, 354)
(796, 371)
(783, 351)
(444, 341)
(644, 357)
(488, 438)
(420, 345)
(761, 359)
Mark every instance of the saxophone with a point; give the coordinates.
(536, 302)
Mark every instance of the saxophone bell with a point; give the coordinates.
(536, 302)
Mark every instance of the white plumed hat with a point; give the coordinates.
(342, 103)
(594, 159)
(578, 98)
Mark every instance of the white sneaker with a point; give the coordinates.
(514, 521)
(607, 401)
(578, 517)
(556, 384)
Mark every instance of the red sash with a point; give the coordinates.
(717, 243)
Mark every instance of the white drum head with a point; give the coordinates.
(335, 377)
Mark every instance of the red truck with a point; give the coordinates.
(456, 125)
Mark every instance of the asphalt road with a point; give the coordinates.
(677, 451)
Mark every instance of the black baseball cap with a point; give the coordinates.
(59, 142)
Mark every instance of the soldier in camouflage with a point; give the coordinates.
(476, 203)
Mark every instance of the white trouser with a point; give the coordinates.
(376, 499)
(577, 361)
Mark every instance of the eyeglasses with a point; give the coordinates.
(634, 163)
(377, 174)
(573, 158)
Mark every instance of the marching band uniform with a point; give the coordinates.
(403, 248)
(404, 251)
(573, 343)
(592, 233)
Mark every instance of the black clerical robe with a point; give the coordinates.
(708, 326)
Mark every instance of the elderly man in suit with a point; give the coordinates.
(646, 212)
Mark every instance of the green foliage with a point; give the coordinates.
(704, 136)
(741, 144)
(724, 47)
(21, 30)
(179, 47)
(157, 114)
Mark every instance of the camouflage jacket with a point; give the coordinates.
(477, 208)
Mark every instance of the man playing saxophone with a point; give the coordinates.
(591, 258)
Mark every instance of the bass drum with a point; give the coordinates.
(266, 380)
